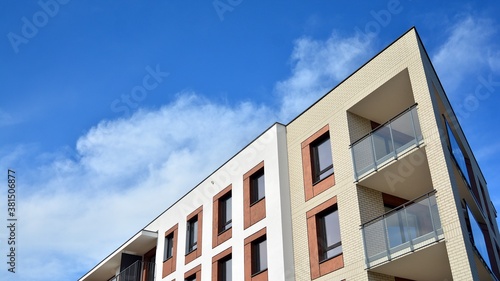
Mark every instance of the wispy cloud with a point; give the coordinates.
(7, 119)
(468, 49)
(317, 65)
(97, 196)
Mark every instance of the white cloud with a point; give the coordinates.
(317, 65)
(467, 51)
(121, 167)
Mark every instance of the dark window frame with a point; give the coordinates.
(256, 185)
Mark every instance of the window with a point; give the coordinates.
(329, 244)
(191, 278)
(170, 251)
(222, 222)
(225, 270)
(477, 237)
(325, 244)
(257, 186)
(254, 199)
(192, 235)
(317, 163)
(321, 157)
(169, 247)
(256, 256)
(259, 255)
(225, 213)
(457, 153)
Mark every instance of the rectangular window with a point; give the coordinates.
(169, 247)
(191, 278)
(328, 230)
(257, 186)
(321, 157)
(477, 237)
(259, 255)
(323, 235)
(192, 235)
(225, 213)
(457, 153)
(225, 270)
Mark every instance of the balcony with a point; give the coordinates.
(387, 142)
(403, 230)
(138, 271)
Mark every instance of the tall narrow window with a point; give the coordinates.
(225, 213)
(259, 255)
(222, 217)
(169, 247)
(170, 251)
(254, 198)
(192, 235)
(457, 153)
(321, 157)
(257, 186)
(323, 235)
(329, 243)
(225, 270)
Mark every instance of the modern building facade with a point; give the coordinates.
(374, 181)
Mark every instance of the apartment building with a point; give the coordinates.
(375, 181)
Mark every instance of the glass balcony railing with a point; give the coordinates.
(411, 226)
(386, 142)
(138, 271)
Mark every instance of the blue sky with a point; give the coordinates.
(107, 107)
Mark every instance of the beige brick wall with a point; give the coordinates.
(357, 204)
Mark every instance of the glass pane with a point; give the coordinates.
(228, 270)
(228, 211)
(332, 228)
(478, 238)
(325, 154)
(382, 142)
(194, 232)
(457, 153)
(263, 255)
(257, 187)
(402, 132)
(362, 153)
(394, 229)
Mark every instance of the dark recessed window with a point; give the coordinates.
(329, 243)
(191, 278)
(259, 255)
(321, 157)
(225, 212)
(192, 235)
(225, 270)
(169, 247)
(257, 186)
